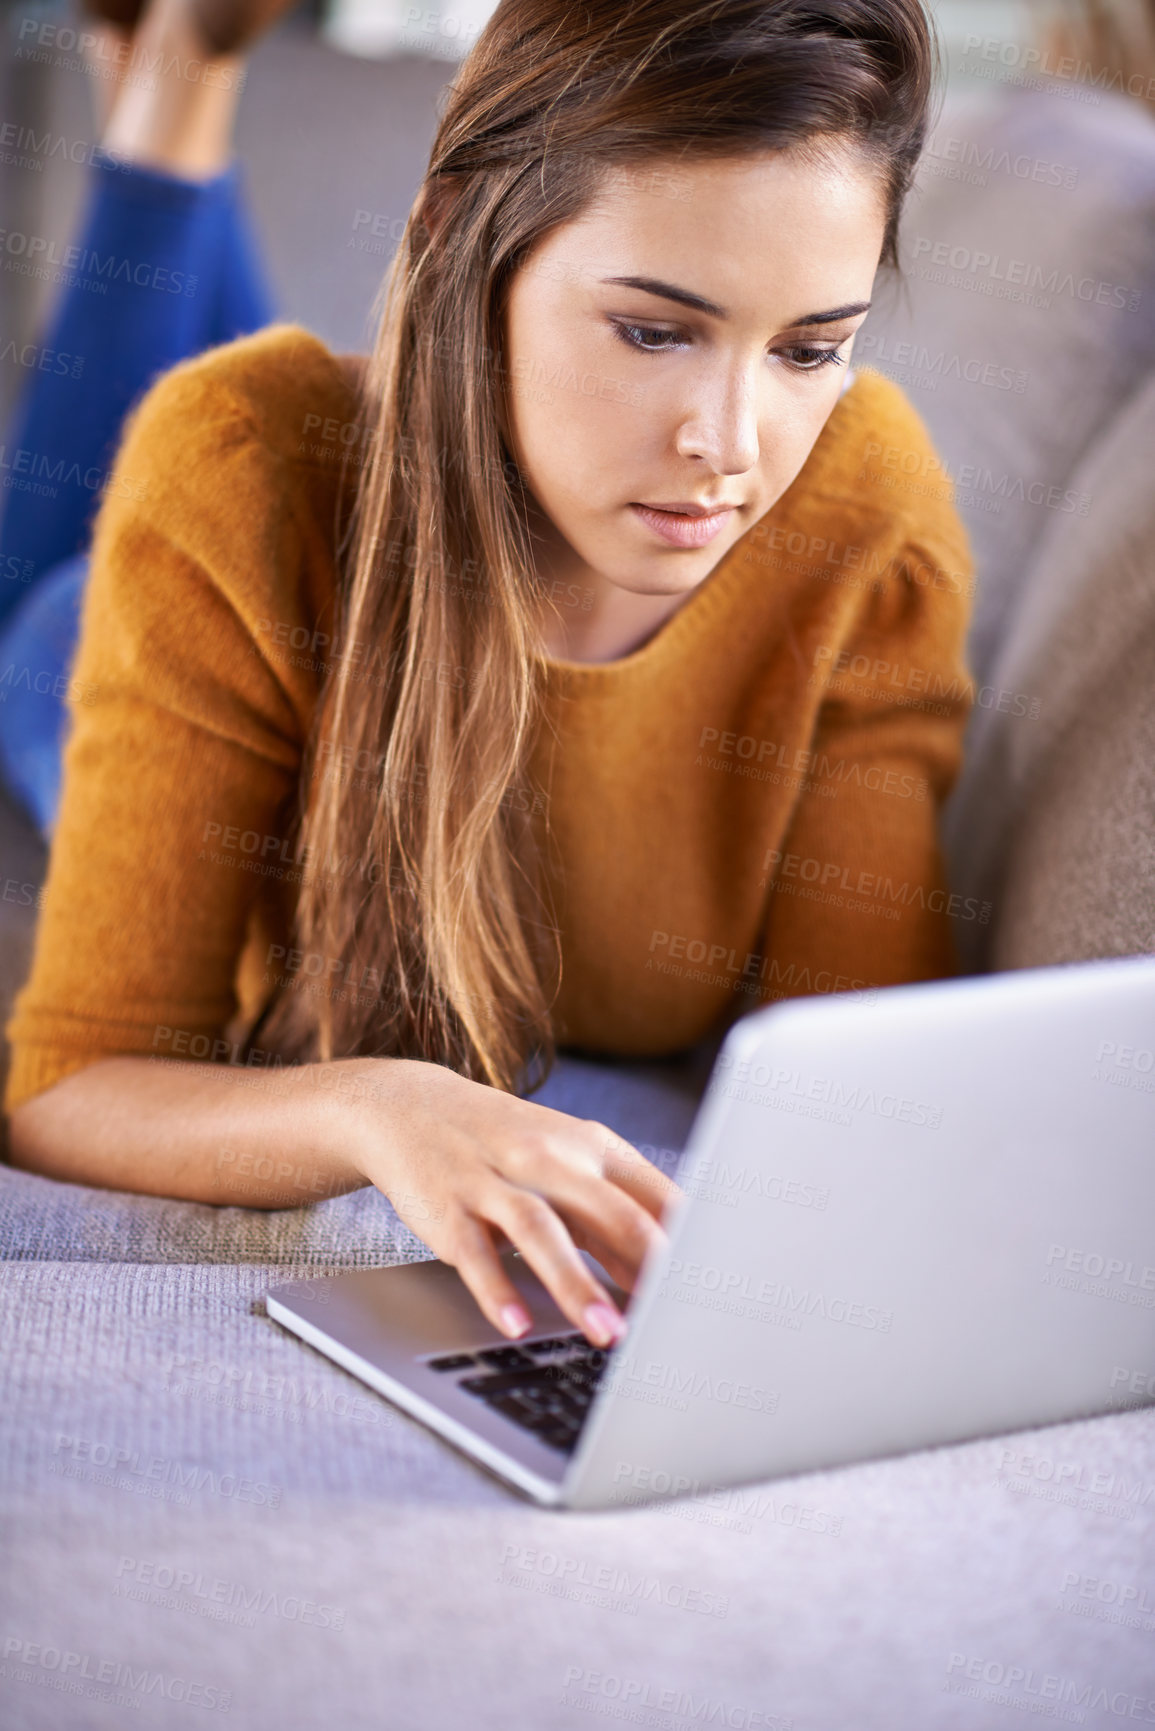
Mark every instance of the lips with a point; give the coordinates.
(684, 524)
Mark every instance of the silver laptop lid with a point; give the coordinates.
(912, 1217)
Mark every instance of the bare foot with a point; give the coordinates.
(106, 49)
(173, 102)
(176, 112)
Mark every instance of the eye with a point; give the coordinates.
(808, 360)
(636, 336)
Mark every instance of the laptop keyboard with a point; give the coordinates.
(546, 1386)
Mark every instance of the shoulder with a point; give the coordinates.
(875, 462)
(218, 529)
(866, 542)
(278, 387)
(241, 449)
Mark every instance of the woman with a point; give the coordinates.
(587, 671)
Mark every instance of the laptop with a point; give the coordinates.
(910, 1217)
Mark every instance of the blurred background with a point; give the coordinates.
(339, 108)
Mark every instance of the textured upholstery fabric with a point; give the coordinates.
(1053, 820)
(1028, 315)
(203, 1512)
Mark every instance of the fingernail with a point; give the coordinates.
(515, 1319)
(602, 1324)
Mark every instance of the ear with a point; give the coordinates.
(435, 200)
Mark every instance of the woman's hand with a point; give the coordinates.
(464, 1165)
(461, 1161)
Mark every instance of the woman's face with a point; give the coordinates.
(676, 350)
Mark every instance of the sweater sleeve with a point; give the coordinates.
(857, 895)
(187, 745)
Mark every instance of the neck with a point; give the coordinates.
(588, 623)
(586, 617)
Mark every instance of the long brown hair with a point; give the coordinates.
(424, 872)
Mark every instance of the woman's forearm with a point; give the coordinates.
(203, 1132)
(466, 1166)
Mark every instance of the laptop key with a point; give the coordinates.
(506, 1358)
(511, 1407)
(501, 1381)
(453, 1361)
(552, 1412)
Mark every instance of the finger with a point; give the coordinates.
(475, 1258)
(622, 1273)
(598, 1208)
(566, 1171)
(538, 1232)
(629, 1169)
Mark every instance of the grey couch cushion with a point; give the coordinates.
(1053, 819)
(190, 1498)
(1016, 382)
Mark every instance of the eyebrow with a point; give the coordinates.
(671, 292)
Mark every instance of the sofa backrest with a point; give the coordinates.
(1028, 312)
(1053, 819)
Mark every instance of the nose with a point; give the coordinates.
(720, 426)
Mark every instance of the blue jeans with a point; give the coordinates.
(181, 272)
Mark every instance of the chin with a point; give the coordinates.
(661, 582)
(664, 573)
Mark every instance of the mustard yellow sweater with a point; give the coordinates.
(743, 809)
